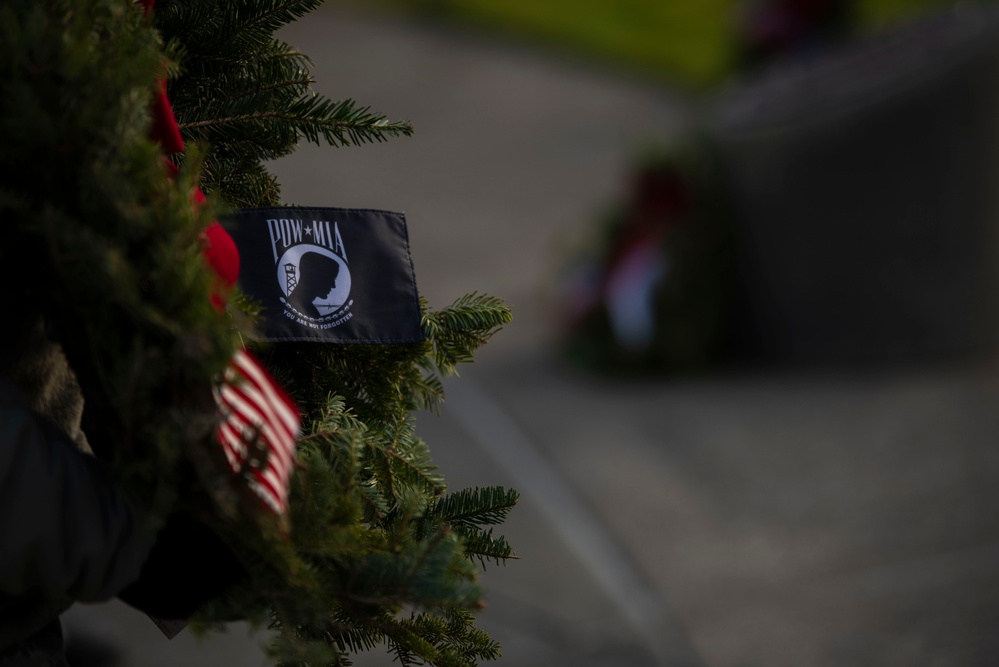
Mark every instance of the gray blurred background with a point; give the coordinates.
(829, 496)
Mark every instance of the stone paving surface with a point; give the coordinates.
(753, 518)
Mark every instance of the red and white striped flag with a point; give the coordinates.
(258, 416)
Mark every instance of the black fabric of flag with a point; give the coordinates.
(328, 274)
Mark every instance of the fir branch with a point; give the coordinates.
(482, 546)
(382, 477)
(353, 639)
(295, 84)
(455, 639)
(264, 23)
(409, 648)
(226, 29)
(427, 390)
(271, 67)
(476, 506)
(409, 459)
(474, 311)
(247, 95)
(338, 123)
(454, 631)
(417, 471)
(458, 330)
(471, 641)
(377, 503)
(245, 183)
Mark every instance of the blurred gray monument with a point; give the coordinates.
(864, 186)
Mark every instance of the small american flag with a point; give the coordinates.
(258, 414)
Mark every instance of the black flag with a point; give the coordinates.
(328, 274)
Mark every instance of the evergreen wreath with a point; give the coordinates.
(106, 249)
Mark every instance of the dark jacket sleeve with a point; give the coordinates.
(65, 528)
(188, 566)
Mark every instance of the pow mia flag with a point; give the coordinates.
(328, 274)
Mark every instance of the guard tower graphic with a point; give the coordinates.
(290, 277)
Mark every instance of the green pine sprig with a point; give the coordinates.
(467, 512)
(249, 95)
(456, 331)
